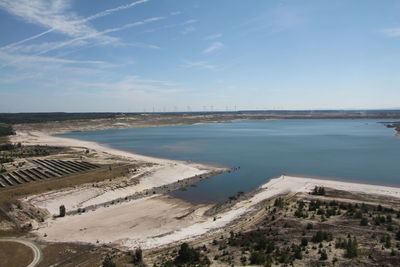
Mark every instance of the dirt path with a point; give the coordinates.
(37, 253)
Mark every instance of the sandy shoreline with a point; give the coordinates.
(157, 220)
(69, 229)
(162, 172)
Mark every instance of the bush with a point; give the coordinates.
(107, 262)
(260, 258)
(351, 248)
(324, 255)
(364, 221)
(319, 191)
(321, 236)
(279, 202)
(190, 256)
(297, 252)
(138, 256)
(314, 205)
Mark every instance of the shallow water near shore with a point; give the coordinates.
(354, 150)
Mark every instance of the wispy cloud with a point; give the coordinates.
(213, 36)
(135, 83)
(191, 21)
(392, 32)
(213, 47)
(188, 29)
(54, 15)
(18, 60)
(88, 39)
(199, 64)
(96, 35)
(277, 20)
(112, 10)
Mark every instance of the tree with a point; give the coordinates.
(62, 211)
(324, 255)
(388, 242)
(321, 236)
(189, 256)
(304, 241)
(297, 252)
(279, 202)
(258, 257)
(319, 191)
(107, 262)
(364, 221)
(138, 256)
(351, 248)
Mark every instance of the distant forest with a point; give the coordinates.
(6, 130)
(15, 118)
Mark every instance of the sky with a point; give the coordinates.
(206, 55)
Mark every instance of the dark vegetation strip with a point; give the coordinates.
(17, 118)
(6, 130)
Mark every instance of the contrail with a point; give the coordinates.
(112, 10)
(95, 16)
(26, 40)
(130, 25)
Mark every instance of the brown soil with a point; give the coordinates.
(13, 254)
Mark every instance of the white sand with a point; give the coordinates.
(41, 138)
(88, 195)
(163, 172)
(154, 221)
(274, 187)
(136, 221)
(101, 223)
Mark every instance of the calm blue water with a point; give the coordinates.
(358, 150)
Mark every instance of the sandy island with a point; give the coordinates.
(157, 220)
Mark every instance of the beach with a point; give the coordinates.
(157, 220)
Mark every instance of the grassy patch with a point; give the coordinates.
(14, 254)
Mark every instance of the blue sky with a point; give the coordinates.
(170, 55)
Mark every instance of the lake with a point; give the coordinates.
(354, 150)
